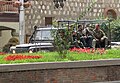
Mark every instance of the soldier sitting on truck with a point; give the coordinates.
(84, 36)
(75, 42)
(88, 36)
(99, 37)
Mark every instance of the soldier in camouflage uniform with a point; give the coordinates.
(80, 36)
(84, 36)
(99, 37)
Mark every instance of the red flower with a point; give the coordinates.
(2, 53)
(21, 57)
(88, 50)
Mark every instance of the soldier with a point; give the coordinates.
(84, 36)
(88, 36)
(74, 42)
(99, 37)
(80, 36)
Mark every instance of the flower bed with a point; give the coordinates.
(74, 54)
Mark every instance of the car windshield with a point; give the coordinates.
(43, 35)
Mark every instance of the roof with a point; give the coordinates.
(70, 21)
(5, 28)
(91, 21)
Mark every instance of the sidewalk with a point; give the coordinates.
(108, 82)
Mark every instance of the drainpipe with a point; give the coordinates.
(21, 23)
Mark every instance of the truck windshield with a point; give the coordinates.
(43, 35)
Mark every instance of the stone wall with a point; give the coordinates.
(35, 15)
(62, 72)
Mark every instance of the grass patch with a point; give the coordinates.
(71, 56)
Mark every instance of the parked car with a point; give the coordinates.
(41, 39)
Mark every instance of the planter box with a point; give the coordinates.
(61, 72)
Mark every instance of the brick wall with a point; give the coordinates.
(61, 72)
(73, 75)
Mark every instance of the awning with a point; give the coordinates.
(5, 28)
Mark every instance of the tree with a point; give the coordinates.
(115, 30)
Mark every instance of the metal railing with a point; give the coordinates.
(7, 7)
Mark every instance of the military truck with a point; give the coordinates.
(40, 40)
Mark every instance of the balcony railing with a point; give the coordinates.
(7, 7)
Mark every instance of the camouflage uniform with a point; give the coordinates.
(81, 39)
(85, 37)
(88, 38)
(99, 38)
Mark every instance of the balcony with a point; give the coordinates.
(7, 7)
(8, 13)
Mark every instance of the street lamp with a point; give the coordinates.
(59, 3)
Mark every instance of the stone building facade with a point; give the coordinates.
(43, 11)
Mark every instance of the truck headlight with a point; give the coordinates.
(30, 51)
(13, 51)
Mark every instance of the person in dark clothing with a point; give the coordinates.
(80, 36)
(84, 36)
(88, 37)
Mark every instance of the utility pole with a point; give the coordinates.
(21, 23)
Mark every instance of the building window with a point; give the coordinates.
(48, 21)
(110, 13)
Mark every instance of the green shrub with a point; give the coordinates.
(12, 42)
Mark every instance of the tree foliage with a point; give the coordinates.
(115, 30)
(62, 41)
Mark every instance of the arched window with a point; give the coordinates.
(110, 13)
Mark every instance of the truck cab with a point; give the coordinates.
(40, 40)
